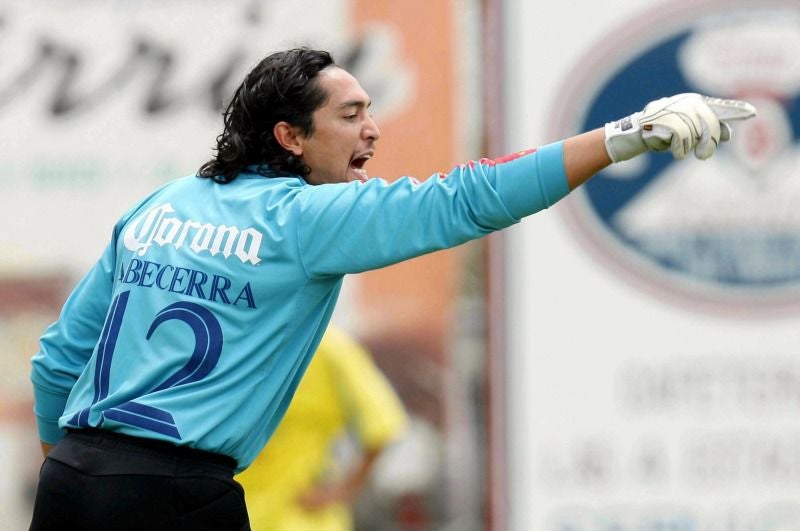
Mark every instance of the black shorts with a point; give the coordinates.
(97, 480)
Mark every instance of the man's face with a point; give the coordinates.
(344, 134)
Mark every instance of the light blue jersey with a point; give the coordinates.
(198, 321)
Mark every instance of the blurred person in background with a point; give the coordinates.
(177, 355)
(295, 483)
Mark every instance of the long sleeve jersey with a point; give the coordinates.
(200, 317)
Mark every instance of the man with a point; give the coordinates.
(176, 356)
(295, 483)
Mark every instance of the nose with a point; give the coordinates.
(371, 129)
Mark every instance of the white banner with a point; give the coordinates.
(654, 353)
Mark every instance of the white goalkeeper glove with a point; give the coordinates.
(682, 123)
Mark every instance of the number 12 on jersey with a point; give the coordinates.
(207, 349)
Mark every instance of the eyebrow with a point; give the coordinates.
(355, 103)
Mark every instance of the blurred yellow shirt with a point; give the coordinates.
(341, 391)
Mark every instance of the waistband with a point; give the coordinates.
(161, 447)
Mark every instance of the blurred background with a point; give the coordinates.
(626, 361)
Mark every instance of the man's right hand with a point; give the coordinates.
(682, 123)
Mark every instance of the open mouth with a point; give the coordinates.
(357, 164)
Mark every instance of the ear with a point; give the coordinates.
(288, 137)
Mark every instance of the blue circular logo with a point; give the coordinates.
(722, 233)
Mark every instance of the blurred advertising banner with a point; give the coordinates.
(652, 316)
(102, 101)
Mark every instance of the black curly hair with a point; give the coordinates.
(282, 87)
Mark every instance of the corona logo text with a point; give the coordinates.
(158, 227)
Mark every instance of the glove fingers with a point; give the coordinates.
(681, 144)
(730, 109)
(706, 147)
(725, 132)
(710, 132)
(676, 137)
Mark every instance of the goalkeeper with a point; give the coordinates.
(178, 353)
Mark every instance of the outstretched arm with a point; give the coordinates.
(386, 223)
